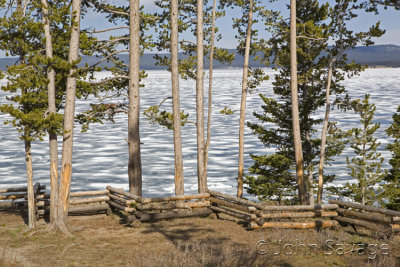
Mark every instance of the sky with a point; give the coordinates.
(389, 19)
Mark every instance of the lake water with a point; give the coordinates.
(100, 155)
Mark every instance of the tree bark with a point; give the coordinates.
(31, 194)
(51, 93)
(135, 164)
(243, 101)
(202, 179)
(323, 136)
(210, 80)
(179, 185)
(295, 105)
(66, 160)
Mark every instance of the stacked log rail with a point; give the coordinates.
(160, 208)
(88, 202)
(373, 218)
(259, 215)
(17, 197)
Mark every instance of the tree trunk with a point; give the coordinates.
(295, 105)
(179, 185)
(210, 80)
(243, 101)
(135, 164)
(323, 136)
(202, 179)
(66, 160)
(51, 92)
(29, 176)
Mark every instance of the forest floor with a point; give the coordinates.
(101, 240)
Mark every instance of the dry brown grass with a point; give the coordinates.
(106, 241)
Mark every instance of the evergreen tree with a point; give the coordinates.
(392, 186)
(273, 175)
(366, 166)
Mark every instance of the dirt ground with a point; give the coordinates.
(101, 240)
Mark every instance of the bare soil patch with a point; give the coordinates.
(102, 240)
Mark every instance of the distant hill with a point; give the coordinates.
(373, 56)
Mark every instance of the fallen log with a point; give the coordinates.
(120, 207)
(229, 204)
(88, 193)
(365, 208)
(168, 215)
(366, 224)
(297, 225)
(175, 198)
(125, 201)
(77, 201)
(89, 208)
(376, 217)
(236, 199)
(18, 189)
(123, 193)
(195, 204)
(236, 214)
(310, 214)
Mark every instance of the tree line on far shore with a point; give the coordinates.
(46, 79)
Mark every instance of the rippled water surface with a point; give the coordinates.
(100, 155)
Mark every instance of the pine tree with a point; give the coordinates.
(366, 166)
(272, 175)
(392, 186)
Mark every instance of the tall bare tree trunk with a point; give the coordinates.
(66, 160)
(51, 94)
(243, 101)
(210, 81)
(179, 185)
(29, 176)
(202, 179)
(323, 136)
(295, 105)
(135, 164)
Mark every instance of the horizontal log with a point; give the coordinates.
(376, 217)
(88, 193)
(365, 208)
(307, 214)
(13, 196)
(239, 215)
(89, 208)
(236, 199)
(175, 198)
(12, 204)
(297, 225)
(77, 201)
(222, 202)
(168, 215)
(120, 206)
(18, 189)
(196, 204)
(363, 223)
(396, 219)
(300, 207)
(395, 227)
(127, 202)
(42, 196)
(173, 205)
(123, 193)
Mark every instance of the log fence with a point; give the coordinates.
(138, 209)
(373, 218)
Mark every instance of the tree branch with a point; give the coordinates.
(108, 79)
(110, 29)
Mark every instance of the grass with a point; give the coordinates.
(106, 241)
